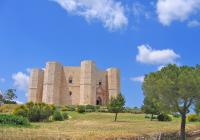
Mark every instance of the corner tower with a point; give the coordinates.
(113, 82)
(52, 83)
(88, 83)
(36, 85)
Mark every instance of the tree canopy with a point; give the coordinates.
(175, 89)
(116, 105)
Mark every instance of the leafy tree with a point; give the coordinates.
(175, 89)
(197, 108)
(116, 105)
(10, 94)
(150, 107)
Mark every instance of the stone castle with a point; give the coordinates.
(67, 85)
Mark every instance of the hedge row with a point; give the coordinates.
(11, 119)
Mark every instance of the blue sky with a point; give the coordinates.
(136, 36)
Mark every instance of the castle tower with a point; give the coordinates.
(113, 82)
(88, 83)
(36, 85)
(52, 83)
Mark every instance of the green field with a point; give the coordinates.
(93, 126)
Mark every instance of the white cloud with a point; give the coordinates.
(176, 10)
(193, 23)
(21, 81)
(2, 80)
(147, 55)
(139, 10)
(109, 12)
(138, 79)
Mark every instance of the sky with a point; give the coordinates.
(136, 36)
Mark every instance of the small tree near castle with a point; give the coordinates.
(116, 105)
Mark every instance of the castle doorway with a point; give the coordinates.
(99, 101)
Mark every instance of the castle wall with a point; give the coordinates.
(73, 95)
(88, 83)
(52, 83)
(113, 82)
(101, 89)
(36, 85)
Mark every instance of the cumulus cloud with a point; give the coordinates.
(138, 79)
(111, 13)
(147, 55)
(176, 10)
(193, 23)
(21, 81)
(2, 80)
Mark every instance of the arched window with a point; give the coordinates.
(70, 80)
(70, 93)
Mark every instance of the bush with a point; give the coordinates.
(65, 115)
(164, 117)
(21, 111)
(35, 112)
(193, 118)
(64, 109)
(176, 115)
(8, 108)
(13, 120)
(103, 109)
(81, 109)
(58, 116)
(91, 108)
(71, 108)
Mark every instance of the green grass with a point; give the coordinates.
(94, 126)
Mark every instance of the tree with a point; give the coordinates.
(8, 97)
(150, 107)
(175, 89)
(116, 105)
(10, 94)
(197, 107)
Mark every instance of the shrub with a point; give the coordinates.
(35, 112)
(65, 115)
(58, 116)
(103, 109)
(71, 108)
(176, 115)
(91, 108)
(8, 108)
(21, 111)
(193, 118)
(81, 109)
(64, 109)
(164, 117)
(13, 119)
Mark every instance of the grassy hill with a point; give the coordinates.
(93, 126)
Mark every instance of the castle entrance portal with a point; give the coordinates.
(99, 101)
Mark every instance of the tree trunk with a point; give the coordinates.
(183, 122)
(116, 117)
(151, 117)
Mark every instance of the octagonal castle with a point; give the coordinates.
(67, 85)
